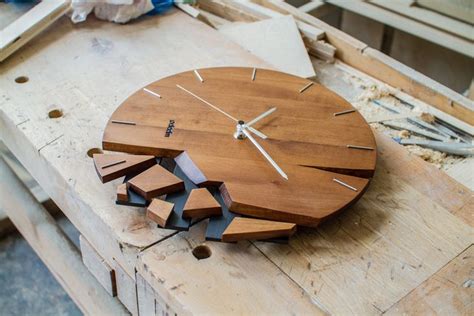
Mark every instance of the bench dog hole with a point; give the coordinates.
(202, 252)
(21, 79)
(93, 151)
(56, 113)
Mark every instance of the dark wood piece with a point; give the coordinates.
(154, 182)
(242, 228)
(159, 211)
(201, 204)
(113, 166)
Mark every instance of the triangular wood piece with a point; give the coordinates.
(242, 228)
(154, 182)
(201, 204)
(110, 166)
(159, 211)
(122, 193)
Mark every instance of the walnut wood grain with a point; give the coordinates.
(159, 211)
(242, 228)
(112, 166)
(154, 182)
(201, 204)
(305, 138)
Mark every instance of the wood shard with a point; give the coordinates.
(122, 193)
(201, 204)
(112, 166)
(159, 211)
(242, 228)
(154, 182)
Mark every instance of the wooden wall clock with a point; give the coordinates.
(272, 149)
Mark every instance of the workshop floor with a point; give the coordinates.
(26, 285)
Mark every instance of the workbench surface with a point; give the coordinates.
(404, 247)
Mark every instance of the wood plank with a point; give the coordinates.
(276, 41)
(434, 19)
(255, 285)
(145, 297)
(110, 166)
(100, 269)
(463, 46)
(53, 247)
(447, 292)
(30, 24)
(242, 228)
(201, 204)
(155, 182)
(382, 67)
(126, 288)
(159, 211)
(458, 9)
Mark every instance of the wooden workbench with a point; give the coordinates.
(404, 247)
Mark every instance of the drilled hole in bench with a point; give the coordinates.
(21, 79)
(202, 252)
(93, 151)
(56, 113)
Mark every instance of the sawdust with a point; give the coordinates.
(427, 117)
(404, 134)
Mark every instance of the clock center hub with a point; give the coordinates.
(239, 132)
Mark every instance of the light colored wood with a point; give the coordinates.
(458, 9)
(122, 192)
(416, 28)
(53, 246)
(242, 228)
(191, 286)
(155, 182)
(30, 24)
(275, 40)
(432, 18)
(145, 297)
(159, 211)
(200, 204)
(447, 292)
(110, 167)
(126, 288)
(100, 269)
(382, 67)
(313, 154)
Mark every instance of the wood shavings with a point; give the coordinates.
(427, 117)
(404, 134)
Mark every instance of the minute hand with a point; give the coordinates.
(265, 154)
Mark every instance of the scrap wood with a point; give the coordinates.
(275, 40)
(30, 24)
(193, 12)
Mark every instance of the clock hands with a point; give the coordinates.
(242, 129)
(265, 154)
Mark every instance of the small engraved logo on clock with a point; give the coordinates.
(170, 129)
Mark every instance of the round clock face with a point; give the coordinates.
(279, 147)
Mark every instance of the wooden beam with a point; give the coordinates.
(382, 67)
(30, 24)
(53, 246)
(429, 17)
(408, 25)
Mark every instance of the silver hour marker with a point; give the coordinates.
(254, 72)
(198, 76)
(152, 93)
(344, 112)
(123, 122)
(344, 184)
(113, 164)
(306, 87)
(360, 147)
